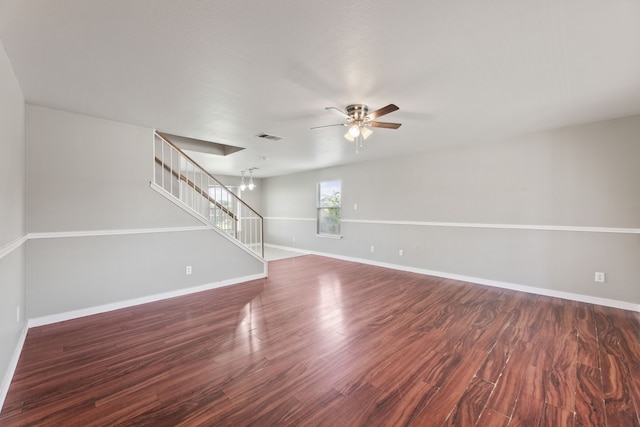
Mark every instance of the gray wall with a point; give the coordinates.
(73, 273)
(582, 176)
(12, 212)
(90, 175)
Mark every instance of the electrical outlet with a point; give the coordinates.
(293, 239)
(599, 277)
(18, 314)
(373, 248)
(188, 270)
(400, 252)
(355, 206)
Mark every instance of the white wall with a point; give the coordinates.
(582, 176)
(90, 176)
(12, 217)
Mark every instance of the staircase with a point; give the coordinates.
(187, 184)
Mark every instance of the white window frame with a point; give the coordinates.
(319, 207)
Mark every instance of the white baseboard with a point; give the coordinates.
(13, 364)
(75, 314)
(495, 283)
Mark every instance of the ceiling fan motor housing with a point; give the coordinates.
(357, 111)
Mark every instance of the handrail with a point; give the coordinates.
(195, 187)
(205, 172)
(248, 234)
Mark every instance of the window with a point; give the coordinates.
(219, 214)
(329, 207)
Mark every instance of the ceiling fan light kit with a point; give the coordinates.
(359, 121)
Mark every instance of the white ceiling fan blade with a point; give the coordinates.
(328, 126)
(338, 112)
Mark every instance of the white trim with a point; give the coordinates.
(302, 251)
(13, 364)
(624, 305)
(329, 236)
(502, 226)
(284, 218)
(288, 249)
(95, 233)
(75, 314)
(617, 230)
(11, 246)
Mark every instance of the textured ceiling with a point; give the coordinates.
(461, 71)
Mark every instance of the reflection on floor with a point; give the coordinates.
(273, 254)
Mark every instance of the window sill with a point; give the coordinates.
(329, 236)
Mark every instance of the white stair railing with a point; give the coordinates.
(183, 179)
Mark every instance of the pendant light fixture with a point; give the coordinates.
(243, 186)
(251, 185)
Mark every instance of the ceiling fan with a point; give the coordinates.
(359, 120)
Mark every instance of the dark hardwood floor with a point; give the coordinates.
(328, 342)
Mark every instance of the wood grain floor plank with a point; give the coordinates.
(560, 387)
(508, 386)
(350, 410)
(561, 378)
(497, 358)
(587, 335)
(619, 406)
(282, 415)
(411, 407)
(452, 379)
(330, 342)
(530, 404)
(619, 335)
(468, 409)
(411, 364)
(557, 417)
(589, 397)
(490, 418)
(402, 406)
(308, 412)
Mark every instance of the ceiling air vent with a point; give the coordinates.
(267, 136)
